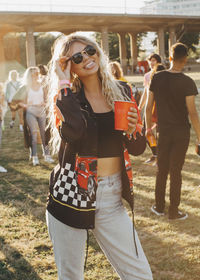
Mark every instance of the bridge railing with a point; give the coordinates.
(88, 6)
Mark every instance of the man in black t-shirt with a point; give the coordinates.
(174, 94)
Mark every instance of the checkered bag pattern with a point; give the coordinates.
(66, 189)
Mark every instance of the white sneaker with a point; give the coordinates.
(155, 211)
(21, 127)
(48, 158)
(2, 169)
(12, 124)
(35, 160)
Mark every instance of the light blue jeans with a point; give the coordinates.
(36, 117)
(113, 231)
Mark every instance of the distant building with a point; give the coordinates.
(172, 7)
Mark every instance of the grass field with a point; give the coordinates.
(138, 79)
(172, 248)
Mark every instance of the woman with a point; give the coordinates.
(43, 73)
(2, 106)
(151, 139)
(31, 96)
(12, 86)
(117, 71)
(87, 185)
(2, 101)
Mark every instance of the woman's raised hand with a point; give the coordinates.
(63, 68)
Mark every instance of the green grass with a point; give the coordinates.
(138, 79)
(172, 248)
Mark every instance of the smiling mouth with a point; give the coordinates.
(89, 65)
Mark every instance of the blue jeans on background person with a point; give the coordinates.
(36, 117)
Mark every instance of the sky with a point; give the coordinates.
(100, 5)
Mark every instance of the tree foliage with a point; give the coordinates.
(190, 39)
(15, 47)
(44, 42)
(113, 41)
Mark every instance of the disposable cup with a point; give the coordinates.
(152, 140)
(121, 113)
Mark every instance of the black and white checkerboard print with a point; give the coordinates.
(66, 189)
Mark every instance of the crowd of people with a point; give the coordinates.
(73, 109)
(27, 97)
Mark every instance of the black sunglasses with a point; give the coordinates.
(78, 57)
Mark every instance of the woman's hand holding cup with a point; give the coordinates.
(132, 120)
(126, 116)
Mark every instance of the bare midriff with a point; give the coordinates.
(108, 166)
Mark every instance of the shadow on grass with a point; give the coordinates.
(170, 265)
(14, 266)
(24, 192)
(178, 226)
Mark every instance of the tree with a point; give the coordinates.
(113, 41)
(190, 39)
(43, 44)
(15, 47)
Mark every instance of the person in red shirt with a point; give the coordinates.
(153, 60)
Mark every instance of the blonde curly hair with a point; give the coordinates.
(112, 90)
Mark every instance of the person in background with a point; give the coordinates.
(91, 161)
(43, 73)
(32, 97)
(137, 69)
(142, 69)
(174, 94)
(43, 80)
(2, 104)
(153, 60)
(117, 71)
(152, 139)
(2, 101)
(11, 88)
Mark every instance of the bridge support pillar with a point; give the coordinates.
(161, 43)
(104, 40)
(30, 48)
(2, 59)
(134, 51)
(122, 51)
(172, 37)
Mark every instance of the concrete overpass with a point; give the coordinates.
(67, 22)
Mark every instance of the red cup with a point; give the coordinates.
(121, 113)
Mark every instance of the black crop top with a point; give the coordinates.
(109, 139)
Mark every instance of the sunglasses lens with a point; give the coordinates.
(90, 50)
(77, 58)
